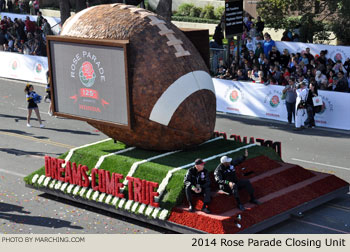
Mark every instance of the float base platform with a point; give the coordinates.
(156, 222)
(283, 189)
(274, 220)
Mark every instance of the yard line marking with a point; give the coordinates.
(136, 164)
(102, 158)
(12, 173)
(71, 151)
(212, 140)
(310, 162)
(37, 140)
(165, 181)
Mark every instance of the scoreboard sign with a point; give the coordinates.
(89, 79)
(233, 17)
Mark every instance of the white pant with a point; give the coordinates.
(300, 117)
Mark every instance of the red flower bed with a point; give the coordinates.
(222, 203)
(256, 166)
(253, 167)
(285, 202)
(281, 180)
(194, 220)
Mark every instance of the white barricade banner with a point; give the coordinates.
(258, 100)
(334, 52)
(335, 113)
(23, 67)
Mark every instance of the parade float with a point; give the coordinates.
(138, 79)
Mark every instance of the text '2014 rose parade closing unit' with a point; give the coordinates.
(141, 81)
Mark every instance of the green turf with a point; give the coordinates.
(157, 169)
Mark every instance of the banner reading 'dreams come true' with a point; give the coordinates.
(258, 100)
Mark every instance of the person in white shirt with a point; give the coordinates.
(320, 78)
(300, 106)
(250, 44)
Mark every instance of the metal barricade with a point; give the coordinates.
(218, 57)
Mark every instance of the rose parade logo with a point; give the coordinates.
(14, 64)
(90, 73)
(337, 54)
(273, 98)
(323, 109)
(87, 74)
(234, 96)
(234, 93)
(38, 68)
(337, 57)
(274, 101)
(326, 109)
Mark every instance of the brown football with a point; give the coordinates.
(172, 97)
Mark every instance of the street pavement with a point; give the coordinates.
(22, 150)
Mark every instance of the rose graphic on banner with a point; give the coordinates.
(38, 68)
(323, 108)
(87, 74)
(14, 65)
(274, 101)
(338, 56)
(234, 96)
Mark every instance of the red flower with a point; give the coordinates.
(88, 70)
(275, 99)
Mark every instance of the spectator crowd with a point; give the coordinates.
(259, 61)
(24, 37)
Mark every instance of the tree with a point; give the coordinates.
(80, 5)
(64, 10)
(341, 24)
(65, 6)
(162, 8)
(274, 12)
(312, 17)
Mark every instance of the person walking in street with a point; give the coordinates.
(32, 99)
